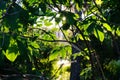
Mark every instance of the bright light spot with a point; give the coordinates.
(64, 62)
(34, 25)
(58, 15)
(64, 18)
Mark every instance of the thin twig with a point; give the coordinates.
(73, 44)
(54, 2)
(44, 32)
(51, 7)
(53, 40)
(63, 33)
(98, 62)
(56, 71)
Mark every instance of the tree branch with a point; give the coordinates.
(56, 71)
(54, 40)
(43, 31)
(51, 7)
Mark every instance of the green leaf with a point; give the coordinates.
(60, 52)
(30, 50)
(98, 34)
(118, 31)
(107, 26)
(12, 51)
(11, 55)
(53, 55)
(63, 53)
(47, 23)
(34, 44)
(80, 37)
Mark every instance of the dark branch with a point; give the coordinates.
(44, 32)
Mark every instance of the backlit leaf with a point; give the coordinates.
(107, 27)
(98, 34)
(12, 51)
(47, 23)
(118, 31)
(11, 55)
(53, 55)
(34, 44)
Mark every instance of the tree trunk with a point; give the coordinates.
(75, 66)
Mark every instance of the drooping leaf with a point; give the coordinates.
(30, 50)
(12, 52)
(107, 27)
(11, 55)
(98, 34)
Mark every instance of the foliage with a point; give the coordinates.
(28, 42)
(114, 66)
